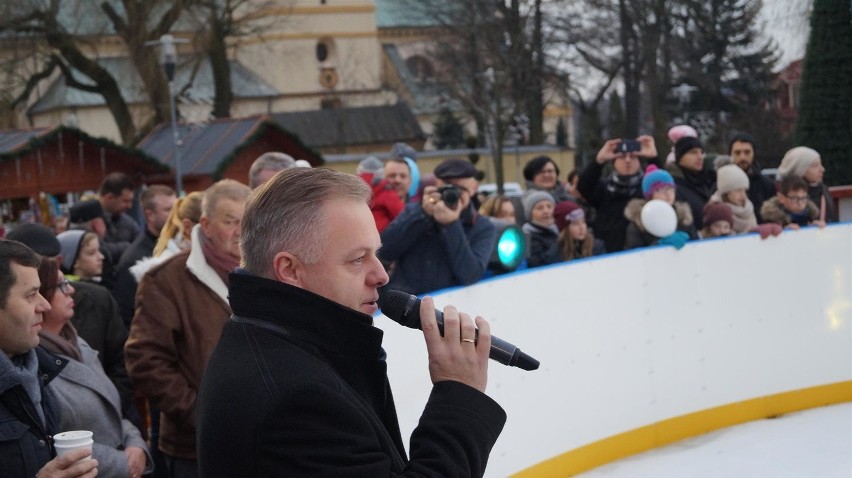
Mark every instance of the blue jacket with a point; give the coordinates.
(25, 442)
(431, 256)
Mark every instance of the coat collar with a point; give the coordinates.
(334, 329)
(197, 265)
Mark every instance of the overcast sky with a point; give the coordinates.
(788, 23)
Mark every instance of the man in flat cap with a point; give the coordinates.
(440, 242)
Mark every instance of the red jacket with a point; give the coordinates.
(385, 203)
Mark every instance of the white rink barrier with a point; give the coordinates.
(646, 347)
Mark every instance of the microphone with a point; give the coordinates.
(404, 309)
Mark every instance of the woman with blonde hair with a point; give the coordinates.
(499, 207)
(175, 236)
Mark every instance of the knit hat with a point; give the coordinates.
(535, 165)
(730, 178)
(372, 165)
(455, 168)
(567, 212)
(797, 161)
(402, 150)
(37, 237)
(85, 211)
(718, 211)
(681, 131)
(70, 242)
(533, 198)
(684, 145)
(655, 179)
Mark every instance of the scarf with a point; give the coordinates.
(24, 370)
(627, 186)
(63, 344)
(744, 217)
(222, 263)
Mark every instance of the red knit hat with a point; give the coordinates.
(718, 211)
(567, 211)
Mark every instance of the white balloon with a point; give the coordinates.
(659, 218)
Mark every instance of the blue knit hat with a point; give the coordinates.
(654, 180)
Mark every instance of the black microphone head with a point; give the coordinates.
(401, 307)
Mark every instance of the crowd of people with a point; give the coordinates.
(110, 325)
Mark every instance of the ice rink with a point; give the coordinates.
(815, 443)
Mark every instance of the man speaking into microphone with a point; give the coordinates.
(297, 385)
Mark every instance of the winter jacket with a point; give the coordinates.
(745, 218)
(181, 307)
(817, 193)
(87, 400)
(774, 212)
(694, 188)
(25, 441)
(385, 203)
(609, 202)
(539, 241)
(298, 387)
(432, 256)
(760, 189)
(558, 192)
(97, 321)
(125, 284)
(121, 230)
(637, 236)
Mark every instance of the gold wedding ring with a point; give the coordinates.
(432, 200)
(470, 341)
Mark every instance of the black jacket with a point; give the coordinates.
(610, 224)
(25, 443)
(125, 284)
(760, 189)
(297, 386)
(694, 188)
(98, 323)
(539, 241)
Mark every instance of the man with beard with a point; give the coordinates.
(760, 187)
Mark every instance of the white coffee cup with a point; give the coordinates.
(68, 441)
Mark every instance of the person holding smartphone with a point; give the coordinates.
(610, 192)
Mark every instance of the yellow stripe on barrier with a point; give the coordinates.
(685, 426)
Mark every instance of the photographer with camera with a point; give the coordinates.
(441, 241)
(610, 193)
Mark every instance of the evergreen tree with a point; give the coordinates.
(447, 131)
(825, 104)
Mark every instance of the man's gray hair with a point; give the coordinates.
(224, 189)
(287, 213)
(273, 161)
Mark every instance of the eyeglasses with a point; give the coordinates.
(64, 286)
(798, 199)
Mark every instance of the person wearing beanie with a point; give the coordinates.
(656, 184)
(675, 133)
(540, 229)
(37, 237)
(718, 220)
(385, 203)
(806, 163)
(609, 193)
(542, 174)
(732, 186)
(82, 259)
(435, 244)
(695, 184)
(742, 150)
(575, 240)
(791, 208)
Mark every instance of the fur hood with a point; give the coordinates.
(633, 213)
(771, 211)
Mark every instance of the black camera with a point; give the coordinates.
(450, 194)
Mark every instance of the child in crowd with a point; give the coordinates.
(731, 188)
(575, 240)
(540, 229)
(657, 184)
(498, 207)
(792, 208)
(81, 256)
(718, 220)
